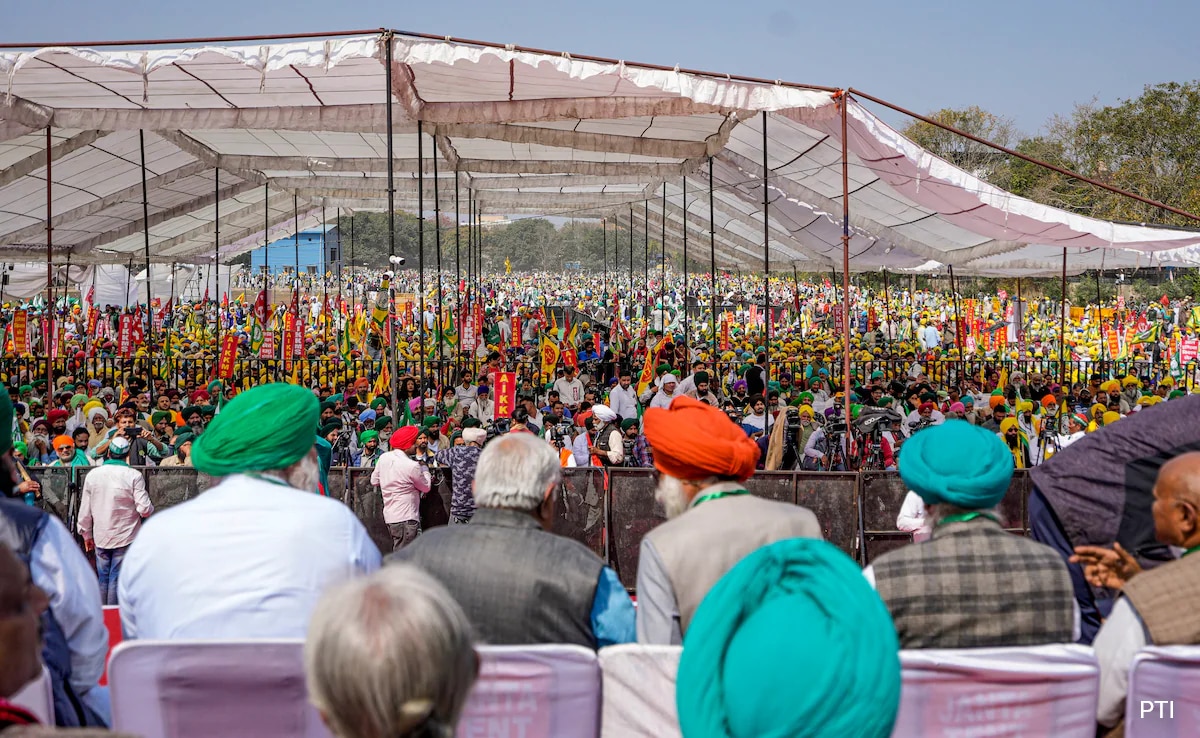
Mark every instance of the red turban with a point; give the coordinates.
(926, 406)
(56, 415)
(200, 396)
(405, 437)
(693, 440)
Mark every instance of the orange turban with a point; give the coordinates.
(995, 400)
(693, 440)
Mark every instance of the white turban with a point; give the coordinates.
(604, 413)
(666, 379)
(474, 435)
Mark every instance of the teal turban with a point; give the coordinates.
(796, 612)
(959, 464)
(267, 427)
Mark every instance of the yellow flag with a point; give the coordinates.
(549, 354)
(507, 266)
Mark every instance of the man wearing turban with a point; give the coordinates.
(752, 640)
(402, 481)
(704, 460)
(973, 584)
(227, 565)
(368, 441)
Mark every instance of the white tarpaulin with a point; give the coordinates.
(245, 141)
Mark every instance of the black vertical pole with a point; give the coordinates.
(646, 254)
(421, 254)
(687, 336)
(604, 254)
(267, 246)
(437, 240)
(216, 256)
(767, 254)
(457, 263)
(632, 294)
(712, 257)
(662, 288)
(391, 198)
(146, 246)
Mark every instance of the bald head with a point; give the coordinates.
(1177, 501)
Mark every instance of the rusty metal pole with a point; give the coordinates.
(49, 254)
(845, 101)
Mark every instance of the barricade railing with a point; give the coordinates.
(609, 511)
(188, 373)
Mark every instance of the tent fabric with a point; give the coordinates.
(268, 134)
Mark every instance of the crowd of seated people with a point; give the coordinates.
(758, 601)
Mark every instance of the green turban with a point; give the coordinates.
(430, 421)
(958, 464)
(184, 435)
(338, 398)
(328, 428)
(378, 402)
(1175, 393)
(266, 427)
(367, 436)
(77, 400)
(328, 405)
(6, 423)
(701, 378)
(470, 422)
(21, 448)
(662, 368)
(382, 420)
(159, 417)
(805, 396)
(629, 423)
(25, 388)
(794, 612)
(191, 410)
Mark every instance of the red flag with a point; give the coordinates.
(229, 345)
(225, 299)
(1165, 301)
(260, 307)
(125, 336)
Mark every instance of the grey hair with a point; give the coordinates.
(514, 471)
(390, 656)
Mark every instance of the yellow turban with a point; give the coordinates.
(1111, 417)
(1024, 406)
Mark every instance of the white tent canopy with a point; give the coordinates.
(271, 133)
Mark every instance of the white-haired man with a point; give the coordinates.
(704, 460)
(604, 437)
(250, 557)
(390, 655)
(518, 582)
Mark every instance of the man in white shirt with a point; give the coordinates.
(111, 509)
(464, 391)
(666, 391)
(402, 481)
(251, 556)
(622, 398)
(758, 420)
(484, 408)
(570, 389)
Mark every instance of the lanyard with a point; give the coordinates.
(265, 478)
(719, 495)
(114, 462)
(965, 517)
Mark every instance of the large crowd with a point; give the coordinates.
(742, 583)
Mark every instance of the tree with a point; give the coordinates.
(983, 161)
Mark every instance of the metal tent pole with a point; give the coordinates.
(604, 253)
(391, 201)
(216, 254)
(267, 288)
(662, 288)
(421, 256)
(632, 294)
(712, 258)
(958, 321)
(145, 241)
(767, 259)
(324, 266)
(646, 254)
(687, 336)
(887, 308)
(50, 250)
(437, 240)
(1062, 326)
(457, 264)
(845, 264)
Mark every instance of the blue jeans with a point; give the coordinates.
(108, 568)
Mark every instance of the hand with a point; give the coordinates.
(30, 485)
(89, 545)
(1103, 567)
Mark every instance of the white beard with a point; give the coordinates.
(305, 474)
(671, 496)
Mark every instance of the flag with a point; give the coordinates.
(647, 375)
(379, 315)
(344, 344)
(383, 383)
(260, 307)
(549, 355)
(1149, 335)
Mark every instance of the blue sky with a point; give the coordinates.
(1024, 59)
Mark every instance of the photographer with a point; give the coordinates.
(924, 416)
(788, 439)
(558, 433)
(637, 450)
(823, 445)
(144, 449)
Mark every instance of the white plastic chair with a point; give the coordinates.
(38, 698)
(547, 691)
(200, 689)
(639, 691)
(1031, 691)
(1163, 700)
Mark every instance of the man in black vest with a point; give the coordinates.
(518, 583)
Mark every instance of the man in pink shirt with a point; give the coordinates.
(111, 509)
(402, 481)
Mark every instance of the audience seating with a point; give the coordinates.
(1039, 690)
(639, 691)
(38, 698)
(534, 692)
(200, 689)
(1164, 693)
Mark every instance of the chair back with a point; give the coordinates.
(1035, 690)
